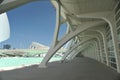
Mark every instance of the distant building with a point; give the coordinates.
(7, 46)
(38, 46)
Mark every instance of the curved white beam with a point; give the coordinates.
(7, 5)
(82, 48)
(109, 17)
(95, 35)
(4, 27)
(66, 38)
(101, 30)
(74, 47)
(57, 27)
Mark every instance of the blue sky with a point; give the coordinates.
(33, 22)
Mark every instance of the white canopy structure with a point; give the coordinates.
(6, 5)
(4, 27)
(95, 22)
(93, 29)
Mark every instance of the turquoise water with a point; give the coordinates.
(18, 61)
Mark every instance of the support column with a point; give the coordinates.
(100, 50)
(106, 51)
(115, 40)
(96, 51)
(55, 38)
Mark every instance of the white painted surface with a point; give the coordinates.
(4, 27)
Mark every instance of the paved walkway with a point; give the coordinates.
(77, 69)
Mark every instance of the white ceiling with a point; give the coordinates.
(87, 6)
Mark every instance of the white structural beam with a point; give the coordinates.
(4, 27)
(109, 17)
(66, 38)
(7, 5)
(56, 32)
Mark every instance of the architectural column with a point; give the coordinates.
(115, 41)
(106, 50)
(4, 27)
(101, 54)
(56, 32)
(96, 50)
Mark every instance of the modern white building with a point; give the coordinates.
(38, 46)
(93, 29)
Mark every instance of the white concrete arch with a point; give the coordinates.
(82, 48)
(95, 35)
(4, 27)
(101, 30)
(66, 38)
(7, 5)
(109, 17)
(98, 37)
(88, 38)
(97, 53)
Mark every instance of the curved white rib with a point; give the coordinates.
(4, 27)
